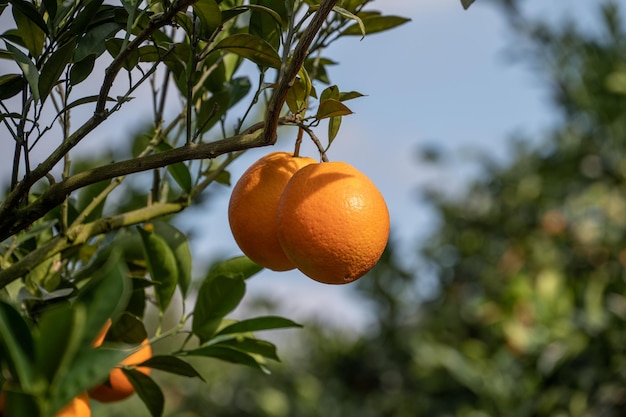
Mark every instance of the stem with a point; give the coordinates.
(298, 58)
(79, 235)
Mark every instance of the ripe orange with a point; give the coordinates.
(118, 386)
(102, 334)
(253, 205)
(332, 222)
(78, 407)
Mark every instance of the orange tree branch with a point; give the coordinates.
(18, 194)
(299, 56)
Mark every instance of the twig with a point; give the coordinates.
(299, 56)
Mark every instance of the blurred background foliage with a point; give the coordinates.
(529, 311)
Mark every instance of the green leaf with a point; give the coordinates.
(29, 10)
(266, 23)
(179, 171)
(252, 346)
(251, 47)
(10, 85)
(161, 264)
(82, 69)
(331, 108)
(333, 128)
(106, 294)
(240, 265)
(28, 68)
(60, 335)
(218, 296)
(179, 244)
(53, 68)
(147, 390)
(210, 16)
(114, 47)
(228, 355)
(258, 324)
(173, 365)
(466, 3)
(93, 42)
(348, 15)
(89, 368)
(16, 343)
(374, 24)
(128, 328)
(330, 92)
(298, 94)
(349, 95)
(30, 33)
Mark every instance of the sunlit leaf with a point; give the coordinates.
(240, 265)
(331, 108)
(360, 27)
(30, 11)
(209, 14)
(251, 47)
(179, 244)
(258, 324)
(31, 34)
(161, 264)
(374, 24)
(266, 23)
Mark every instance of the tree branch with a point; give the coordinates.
(299, 56)
(100, 114)
(57, 192)
(79, 235)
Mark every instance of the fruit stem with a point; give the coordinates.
(316, 141)
(296, 151)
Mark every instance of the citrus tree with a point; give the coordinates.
(87, 251)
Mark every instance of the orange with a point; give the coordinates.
(332, 222)
(118, 386)
(78, 407)
(102, 334)
(253, 205)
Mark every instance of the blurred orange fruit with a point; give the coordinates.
(118, 386)
(78, 407)
(253, 205)
(102, 334)
(332, 222)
